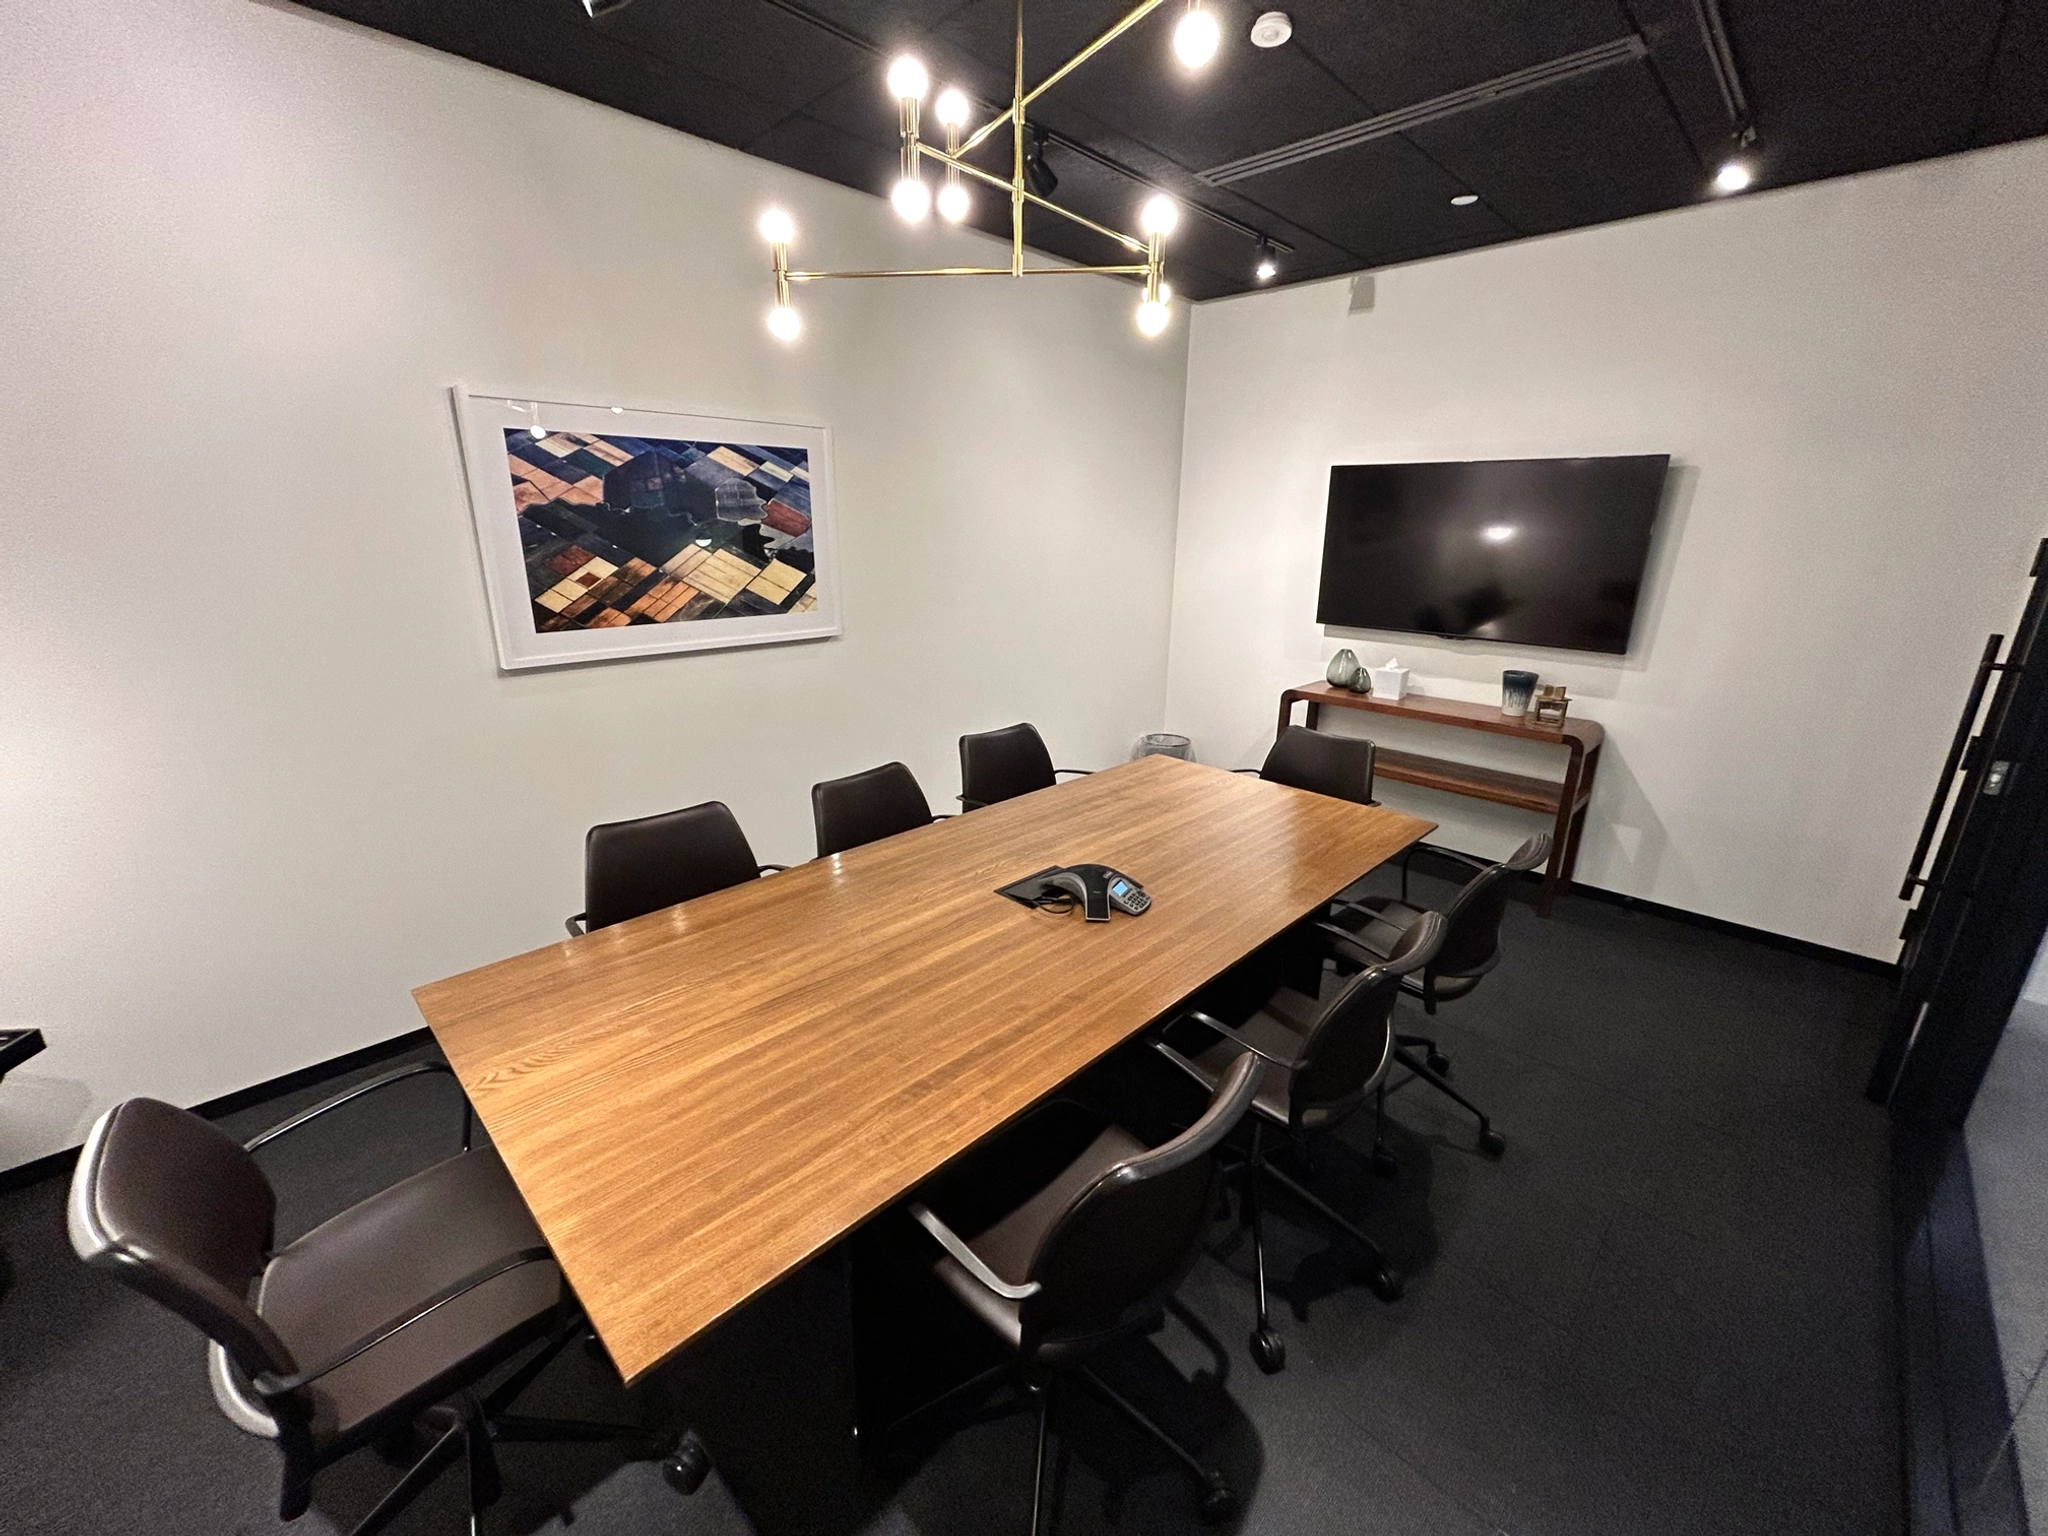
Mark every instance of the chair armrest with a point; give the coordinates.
(1207, 1021)
(575, 925)
(268, 1386)
(770, 869)
(967, 1258)
(349, 1095)
(1408, 855)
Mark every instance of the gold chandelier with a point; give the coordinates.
(1195, 41)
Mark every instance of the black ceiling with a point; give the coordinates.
(1832, 86)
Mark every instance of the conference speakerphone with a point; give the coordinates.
(1095, 888)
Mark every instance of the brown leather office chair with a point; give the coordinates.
(1326, 1059)
(379, 1320)
(1089, 1258)
(866, 807)
(1001, 765)
(1471, 948)
(1322, 763)
(640, 866)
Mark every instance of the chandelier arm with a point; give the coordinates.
(1145, 9)
(1132, 270)
(932, 152)
(981, 134)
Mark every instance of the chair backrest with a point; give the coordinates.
(1322, 763)
(169, 1204)
(1125, 1238)
(1351, 1040)
(1001, 765)
(864, 807)
(1472, 936)
(632, 867)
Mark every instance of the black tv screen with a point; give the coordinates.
(1545, 552)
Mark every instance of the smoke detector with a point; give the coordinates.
(1272, 29)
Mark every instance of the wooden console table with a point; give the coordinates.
(1564, 800)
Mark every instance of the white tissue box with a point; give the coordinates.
(1389, 682)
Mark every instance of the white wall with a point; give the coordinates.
(1852, 379)
(259, 775)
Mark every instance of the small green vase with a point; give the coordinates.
(1343, 671)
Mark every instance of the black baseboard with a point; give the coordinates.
(59, 1163)
(1764, 936)
(1962, 1477)
(1532, 879)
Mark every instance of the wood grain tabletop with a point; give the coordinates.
(695, 1102)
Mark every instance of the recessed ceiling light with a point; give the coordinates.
(1272, 29)
(1464, 199)
(1196, 37)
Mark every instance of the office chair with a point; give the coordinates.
(633, 867)
(1088, 1259)
(1374, 926)
(379, 1322)
(1001, 765)
(1321, 763)
(866, 807)
(1326, 1058)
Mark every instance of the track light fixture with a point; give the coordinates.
(1735, 175)
(1267, 267)
(1031, 180)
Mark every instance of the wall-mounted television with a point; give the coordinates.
(1541, 552)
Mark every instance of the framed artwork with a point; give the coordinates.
(611, 532)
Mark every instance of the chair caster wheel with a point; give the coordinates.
(1269, 1351)
(1439, 1063)
(1386, 1283)
(1218, 1499)
(1492, 1143)
(1384, 1163)
(686, 1470)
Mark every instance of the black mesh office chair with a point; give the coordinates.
(1327, 1058)
(639, 866)
(1322, 763)
(1471, 948)
(866, 807)
(378, 1322)
(1001, 765)
(1089, 1258)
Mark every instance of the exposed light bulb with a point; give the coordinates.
(1152, 317)
(908, 80)
(952, 108)
(1196, 38)
(953, 202)
(1464, 199)
(1159, 215)
(1497, 533)
(911, 199)
(1266, 270)
(784, 323)
(777, 227)
(1166, 293)
(1733, 176)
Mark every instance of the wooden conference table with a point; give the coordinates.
(696, 1102)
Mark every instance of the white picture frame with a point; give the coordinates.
(754, 534)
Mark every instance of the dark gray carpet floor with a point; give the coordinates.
(1668, 1309)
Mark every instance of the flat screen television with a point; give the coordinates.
(1541, 552)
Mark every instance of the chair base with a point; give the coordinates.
(1217, 1499)
(469, 1427)
(1268, 1348)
